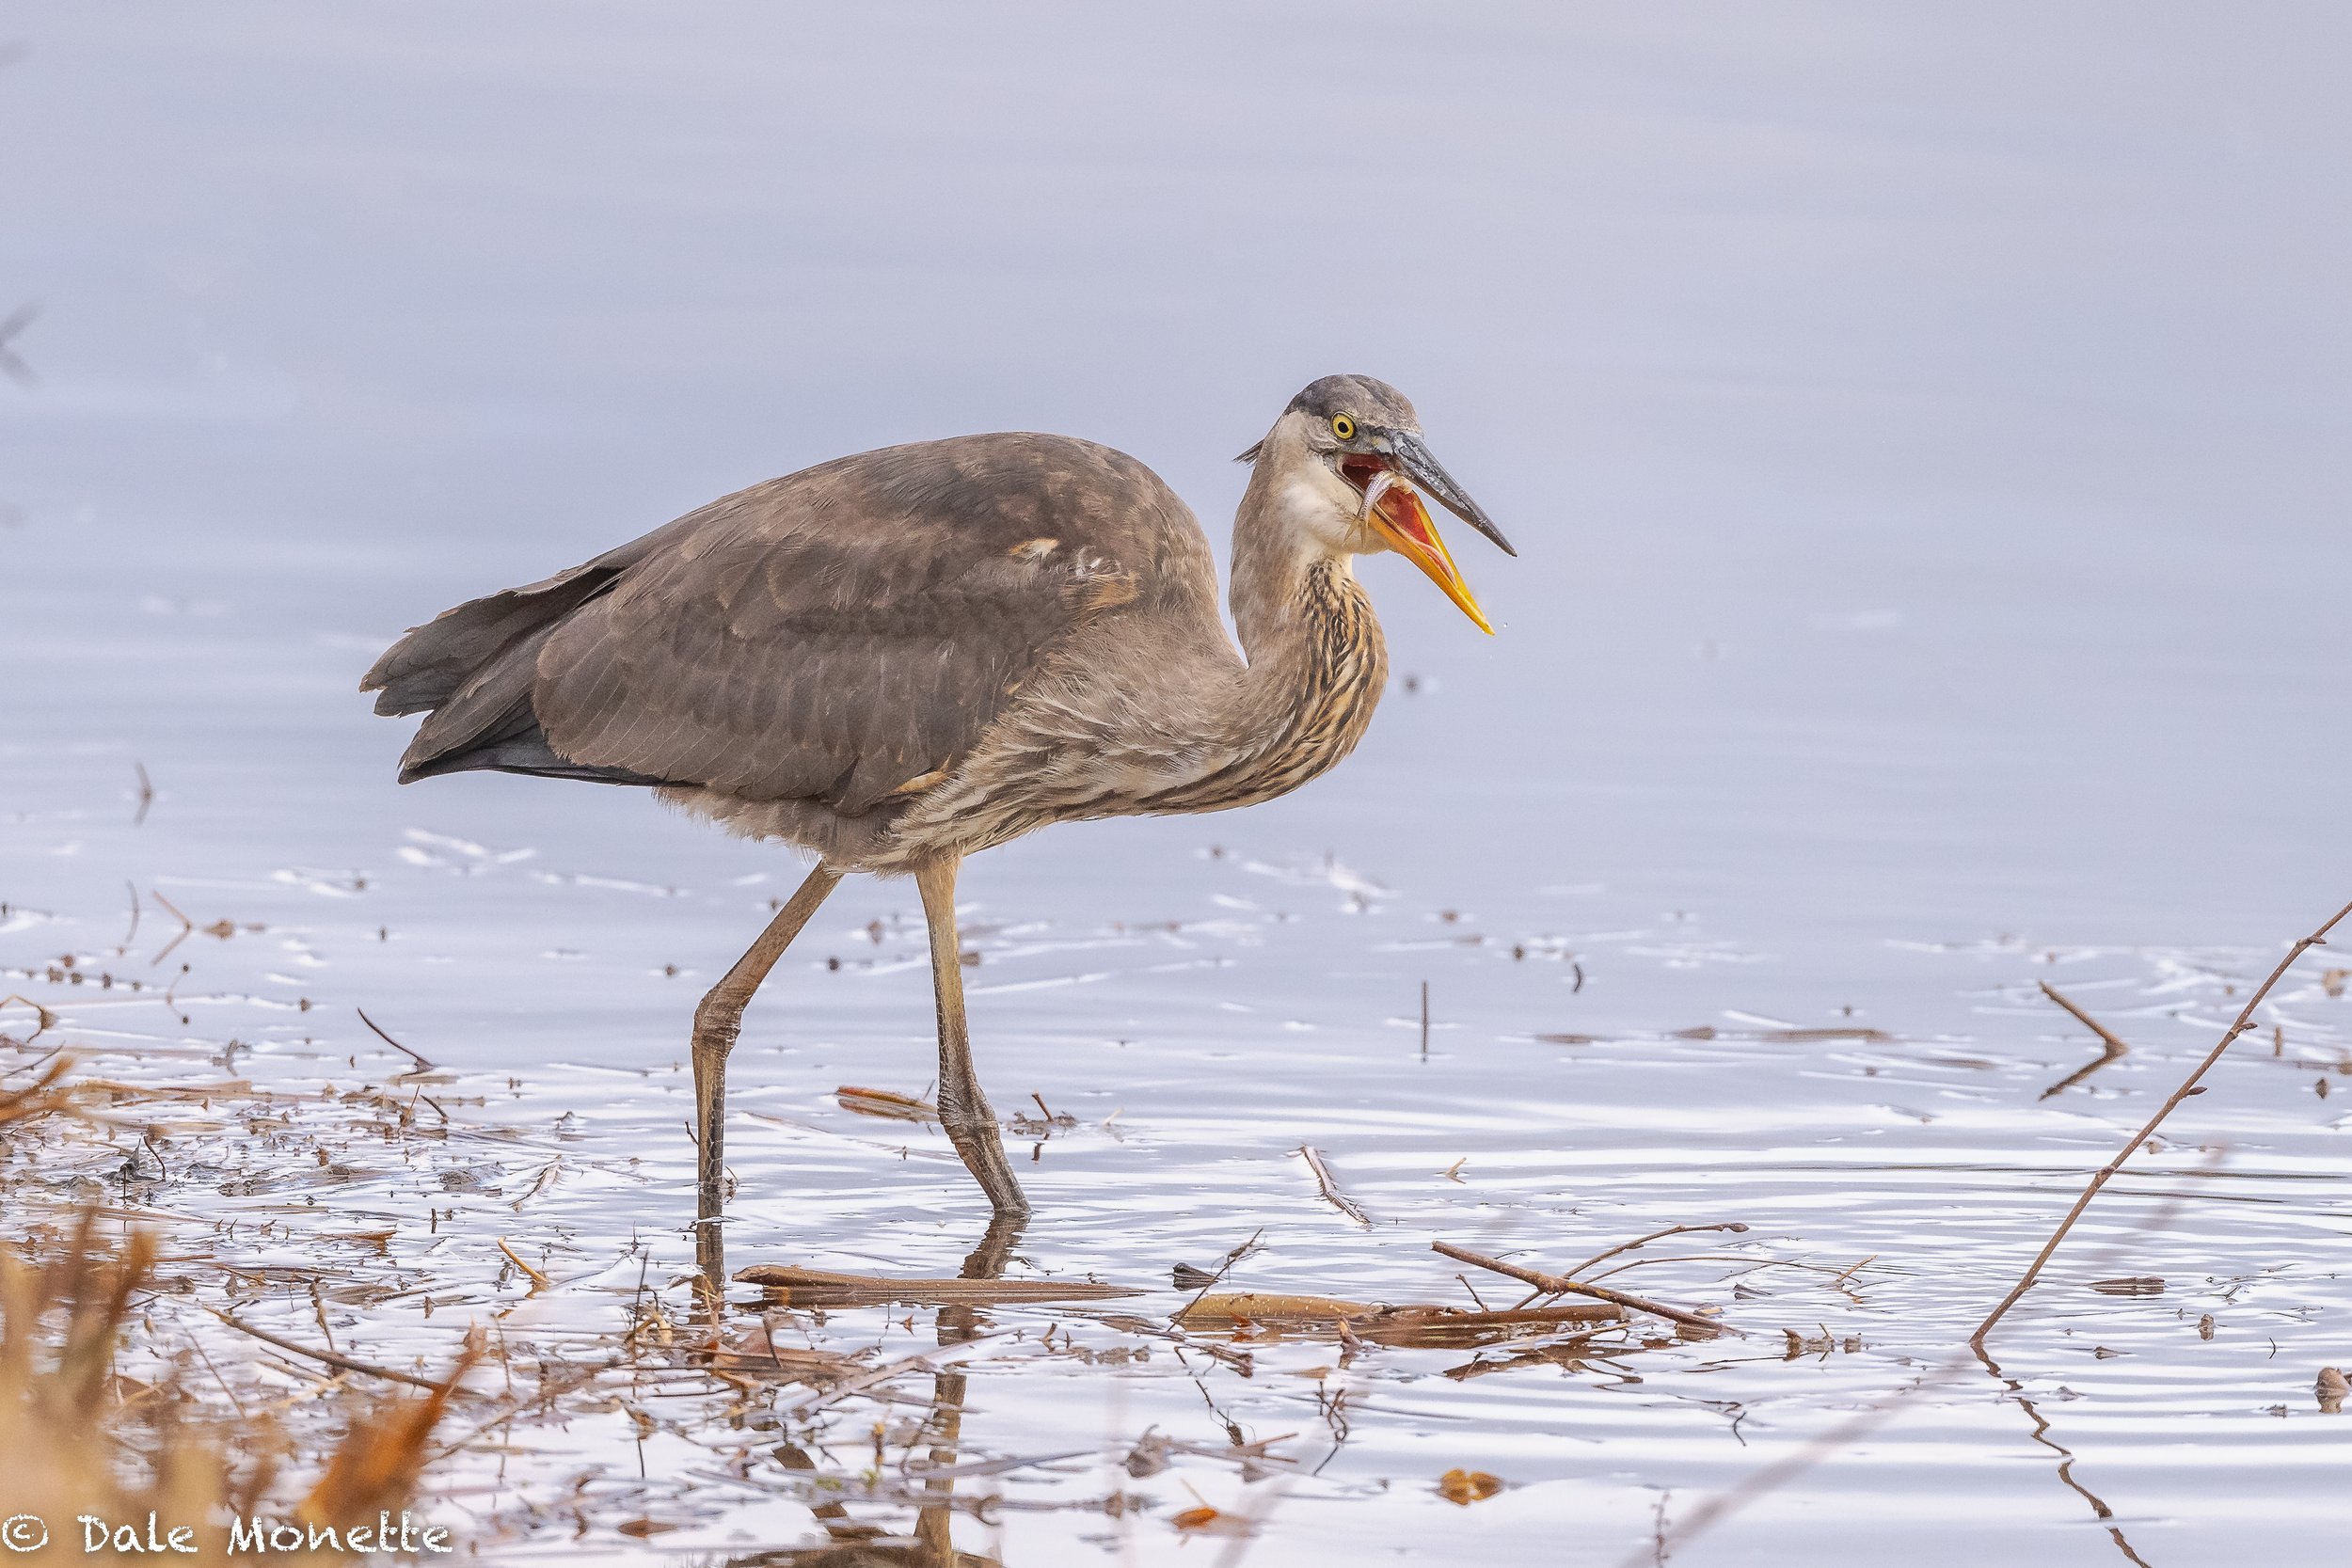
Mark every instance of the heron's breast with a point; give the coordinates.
(1332, 683)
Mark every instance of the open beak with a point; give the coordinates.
(1415, 461)
(1392, 508)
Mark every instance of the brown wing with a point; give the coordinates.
(828, 635)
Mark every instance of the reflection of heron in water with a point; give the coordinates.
(897, 658)
(933, 1544)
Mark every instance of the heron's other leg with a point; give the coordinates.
(964, 1110)
(718, 1020)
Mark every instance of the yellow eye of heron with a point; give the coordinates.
(1343, 427)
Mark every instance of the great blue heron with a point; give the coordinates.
(897, 658)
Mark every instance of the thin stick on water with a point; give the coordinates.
(1784, 1470)
(1553, 1285)
(2243, 1022)
(1645, 1241)
(1222, 1269)
(43, 1019)
(423, 1066)
(331, 1357)
(1781, 1472)
(1324, 1178)
(2115, 1046)
(2107, 1035)
(538, 1281)
(186, 926)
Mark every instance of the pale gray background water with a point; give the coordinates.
(1923, 428)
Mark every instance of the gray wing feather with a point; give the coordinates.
(827, 636)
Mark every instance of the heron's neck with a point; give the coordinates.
(1316, 660)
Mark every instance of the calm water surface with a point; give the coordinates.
(1925, 439)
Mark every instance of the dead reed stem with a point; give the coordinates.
(538, 1281)
(1553, 1284)
(2243, 1022)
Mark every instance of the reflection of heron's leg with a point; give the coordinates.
(934, 1518)
(964, 1110)
(957, 1324)
(717, 1021)
(987, 1261)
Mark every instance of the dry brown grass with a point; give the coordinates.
(84, 1439)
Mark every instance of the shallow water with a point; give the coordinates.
(1921, 439)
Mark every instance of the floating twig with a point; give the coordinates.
(538, 1280)
(1425, 1325)
(147, 794)
(817, 1399)
(1209, 1282)
(1653, 1236)
(185, 927)
(1553, 1285)
(887, 1103)
(1338, 1199)
(2243, 1022)
(43, 1019)
(824, 1288)
(331, 1358)
(2115, 1047)
(546, 1174)
(423, 1066)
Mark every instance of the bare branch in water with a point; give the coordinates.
(2243, 1022)
(2115, 1047)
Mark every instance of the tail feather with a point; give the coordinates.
(426, 668)
(470, 670)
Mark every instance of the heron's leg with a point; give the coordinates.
(964, 1110)
(717, 1021)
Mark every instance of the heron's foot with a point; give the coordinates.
(717, 1021)
(980, 1143)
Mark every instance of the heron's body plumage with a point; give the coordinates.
(910, 654)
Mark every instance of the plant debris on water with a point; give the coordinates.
(309, 1271)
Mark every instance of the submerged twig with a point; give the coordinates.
(2243, 1022)
(1553, 1284)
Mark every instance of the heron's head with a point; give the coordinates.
(1347, 465)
